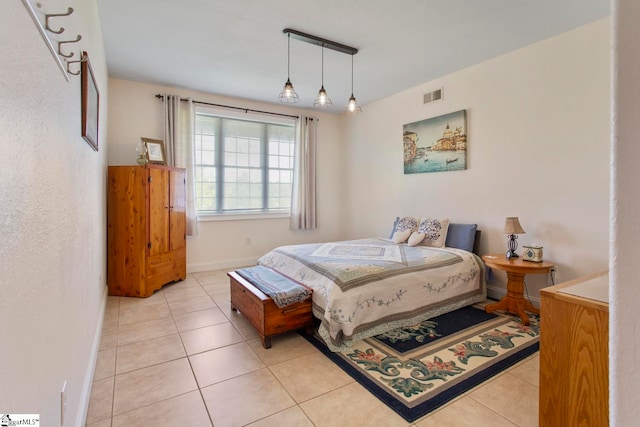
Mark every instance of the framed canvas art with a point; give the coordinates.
(90, 103)
(438, 144)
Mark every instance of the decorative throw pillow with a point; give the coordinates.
(415, 238)
(435, 231)
(404, 227)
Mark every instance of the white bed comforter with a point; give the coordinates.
(365, 287)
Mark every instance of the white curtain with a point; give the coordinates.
(303, 198)
(178, 137)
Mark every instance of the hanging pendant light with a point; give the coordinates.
(288, 94)
(352, 105)
(323, 100)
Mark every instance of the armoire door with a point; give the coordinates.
(177, 210)
(159, 211)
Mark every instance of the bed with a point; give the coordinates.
(369, 286)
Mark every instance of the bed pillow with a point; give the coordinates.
(415, 239)
(461, 236)
(403, 229)
(434, 230)
(393, 229)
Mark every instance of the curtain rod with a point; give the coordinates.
(246, 110)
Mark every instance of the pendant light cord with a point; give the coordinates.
(352, 75)
(322, 74)
(289, 56)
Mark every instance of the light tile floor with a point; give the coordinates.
(182, 357)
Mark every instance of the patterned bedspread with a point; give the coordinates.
(365, 287)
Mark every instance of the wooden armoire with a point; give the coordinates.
(146, 229)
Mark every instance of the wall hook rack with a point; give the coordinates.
(60, 43)
(56, 15)
(41, 19)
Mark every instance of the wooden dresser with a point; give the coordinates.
(146, 229)
(574, 337)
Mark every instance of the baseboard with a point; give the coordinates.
(221, 265)
(497, 293)
(83, 407)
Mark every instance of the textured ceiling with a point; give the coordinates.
(237, 47)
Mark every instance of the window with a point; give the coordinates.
(242, 166)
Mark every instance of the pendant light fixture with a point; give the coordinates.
(323, 100)
(288, 94)
(352, 105)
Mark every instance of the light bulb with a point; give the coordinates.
(288, 90)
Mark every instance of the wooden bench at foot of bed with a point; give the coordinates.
(264, 314)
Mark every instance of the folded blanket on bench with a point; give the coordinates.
(282, 290)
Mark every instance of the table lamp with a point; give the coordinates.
(511, 228)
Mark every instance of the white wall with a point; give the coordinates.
(624, 338)
(538, 132)
(52, 224)
(135, 112)
(521, 107)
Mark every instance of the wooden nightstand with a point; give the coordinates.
(514, 302)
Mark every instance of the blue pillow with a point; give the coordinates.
(394, 227)
(461, 236)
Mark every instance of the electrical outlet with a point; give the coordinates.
(63, 402)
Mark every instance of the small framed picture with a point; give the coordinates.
(90, 103)
(155, 151)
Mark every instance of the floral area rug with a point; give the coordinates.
(417, 369)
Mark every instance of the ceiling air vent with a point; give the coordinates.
(434, 96)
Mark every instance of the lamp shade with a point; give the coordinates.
(288, 94)
(353, 106)
(512, 226)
